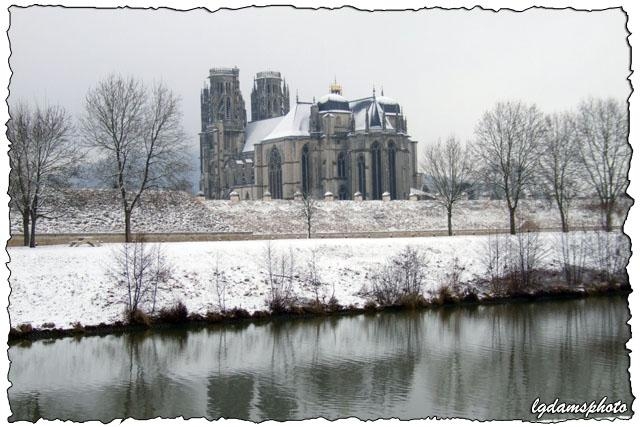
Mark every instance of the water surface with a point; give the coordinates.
(484, 362)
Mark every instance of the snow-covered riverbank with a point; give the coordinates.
(64, 285)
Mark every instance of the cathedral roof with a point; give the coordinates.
(369, 108)
(385, 100)
(257, 131)
(295, 123)
(333, 102)
(389, 105)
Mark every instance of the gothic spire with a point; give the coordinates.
(366, 119)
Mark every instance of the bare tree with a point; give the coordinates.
(603, 129)
(449, 166)
(138, 133)
(279, 275)
(139, 269)
(20, 176)
(312, 276)
(507, 143)
(308, 212)
(560, 163)
(527, 253)
(42, 159)
(573, 250)
(220, 283)
(401, 279)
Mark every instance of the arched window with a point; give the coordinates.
(376, 172)
(275, 174)
(362, 177)
(228, 109)
(343, 194)
(342, 165)
(306, 176)
(392, 169)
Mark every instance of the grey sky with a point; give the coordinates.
(444, 67)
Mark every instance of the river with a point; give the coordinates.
(481, 362)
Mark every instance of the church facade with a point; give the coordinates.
(329, 145)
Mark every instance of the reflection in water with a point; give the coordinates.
(485, 362)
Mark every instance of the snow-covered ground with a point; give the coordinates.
(99, 211)
(64, 285)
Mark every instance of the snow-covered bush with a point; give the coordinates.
(512, 260)
(526, 253)
(139, 269)
(279, 273)
(610, 252)
(496, 261)
(312, 278)
(574, 252)
(603, 253)
(401, 279)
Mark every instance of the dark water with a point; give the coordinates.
(486, 362)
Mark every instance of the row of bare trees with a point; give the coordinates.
(130, 133)
(42, 159)
(518, 149)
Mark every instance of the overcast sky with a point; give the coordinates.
(444, 67)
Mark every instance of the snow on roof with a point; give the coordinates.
(295, 123)
(359, 109)
(256, 131)
(332, 97)
(386, 100)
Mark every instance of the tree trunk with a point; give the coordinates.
(25, 229)
(449, 221)
(512, 220)
(32, 240)
(563, 220)
(127, 226)
(309, 228)
(608, 226)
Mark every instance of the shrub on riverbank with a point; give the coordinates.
(139, 269)
(176, 313)
(400, 281)
(445, 295)
(559, 290)
(279, 274)
(138, 318)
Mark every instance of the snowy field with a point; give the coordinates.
(99, 211)
(64, 285)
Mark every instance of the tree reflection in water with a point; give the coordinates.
(485, 362)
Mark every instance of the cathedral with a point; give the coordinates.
(353, 149)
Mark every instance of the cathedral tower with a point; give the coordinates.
(223, 121)
(223, 99)
(269, 97)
